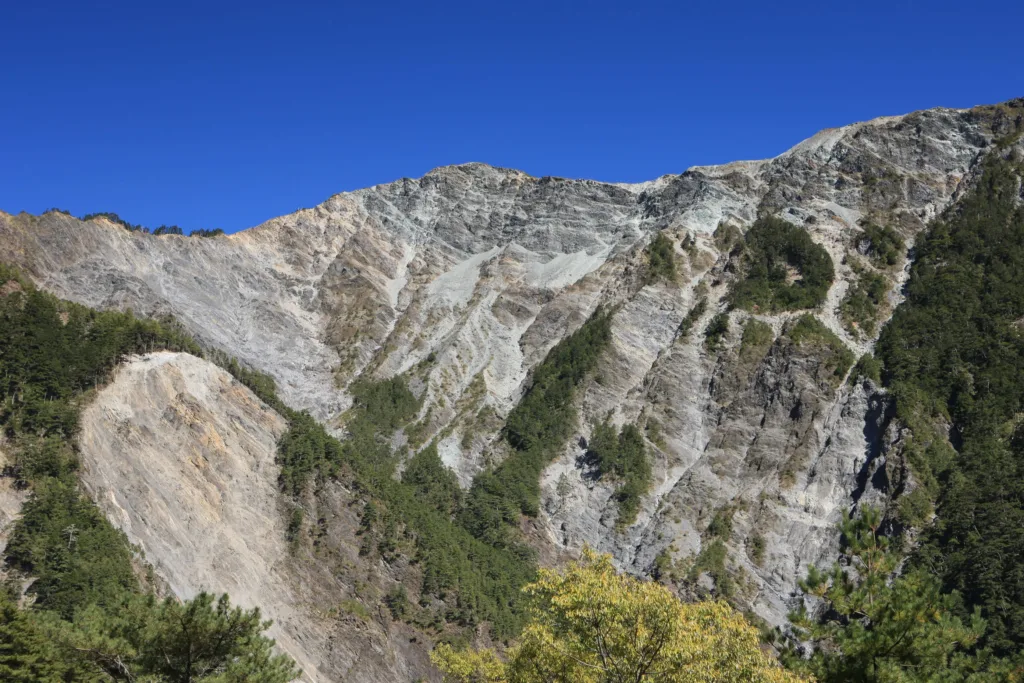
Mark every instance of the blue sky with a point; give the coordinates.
(223, 115)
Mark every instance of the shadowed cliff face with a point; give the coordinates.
(465, 278)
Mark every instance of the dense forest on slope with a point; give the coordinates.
(413, 517)
(953, 358)
(90, 617)
(54, 351)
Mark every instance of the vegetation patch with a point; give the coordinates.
(622, 455)
(714, 335)
(536, 429)
(160, 230)
(783, 269)
(874, 616)
(466, 547)
(91, 619)
(953, 359)
(756, 546)
(881, 244)
(863, 302)
(592, 624)
(661, 261)
(726, 236)
(757, 337)
(721, 524)
(417, 516)
(692, 316)
(868, 367)
(809, 332)
(712, 561)
(435, 484)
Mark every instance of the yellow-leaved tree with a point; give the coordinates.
(590, 624)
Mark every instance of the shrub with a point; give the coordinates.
(881, 244)
(623, 456)
(868, 366)
(860, 307)
(716, 331)
(661, 263)
(783, 269)
(757, 337)
(808, 331)
(691, 318)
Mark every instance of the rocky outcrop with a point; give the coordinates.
(465, 278)
(11, 500)
(180, 456)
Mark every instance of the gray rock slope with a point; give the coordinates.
(180, 456)
(465, 278)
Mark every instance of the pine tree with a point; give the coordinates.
(872, 624)
(201, 640)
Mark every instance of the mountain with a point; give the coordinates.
(758, 433)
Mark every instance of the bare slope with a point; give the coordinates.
(181, 457)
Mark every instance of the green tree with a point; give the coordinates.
(661, 262)
(27, 651)
(881, 244)
(716, 331)
(590, 624)
(434, 483)
(784, 270)
(622, 455)
(204, 639)
(874, 624)
(64, 541)
(953, 360)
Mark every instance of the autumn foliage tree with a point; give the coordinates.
(590, 624)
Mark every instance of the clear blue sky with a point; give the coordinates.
(224, 115)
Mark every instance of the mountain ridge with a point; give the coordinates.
(462, 281)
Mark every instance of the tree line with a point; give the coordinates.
(85, 615)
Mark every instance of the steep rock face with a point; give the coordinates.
(11, 500)
(465, 278)
(180, 456)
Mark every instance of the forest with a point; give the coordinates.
(90, 617)
(467, 546)
(952, 357)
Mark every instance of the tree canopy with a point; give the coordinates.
(873, 624)
(953, 359)
(782, 269)
(590, 624)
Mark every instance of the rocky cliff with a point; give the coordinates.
(181, 457)
(464, 279)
